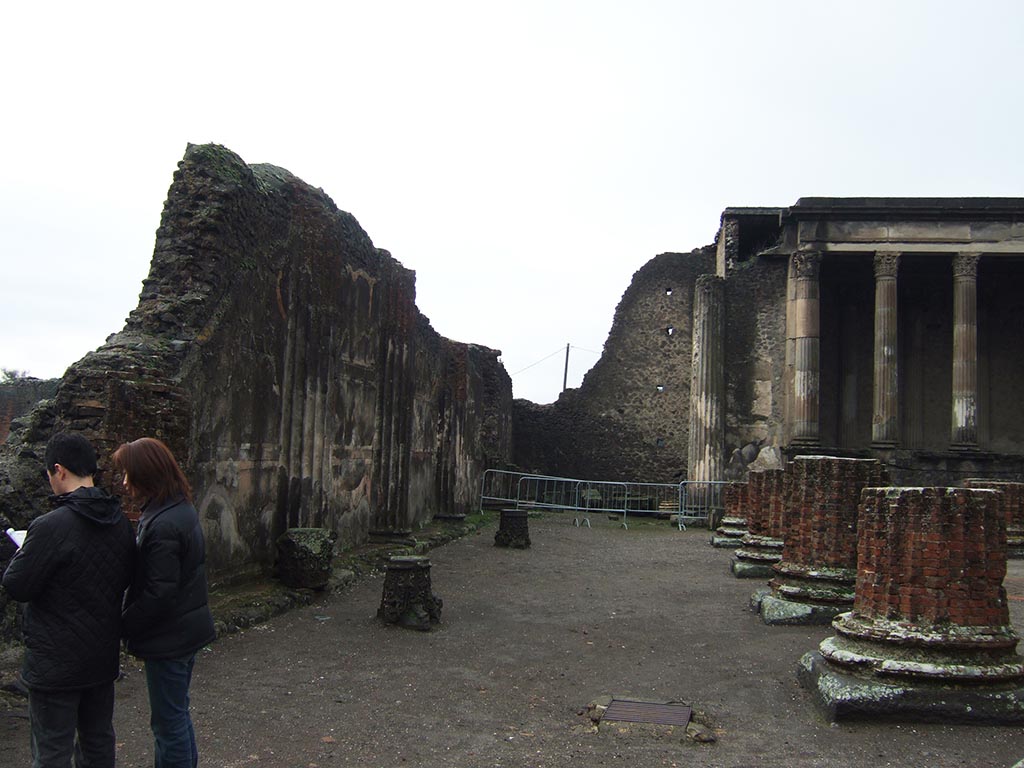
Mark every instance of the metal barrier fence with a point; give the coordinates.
(689, 501)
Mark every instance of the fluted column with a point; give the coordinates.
(805, 330)
(707, 387)
(885, 417)
(964, 434)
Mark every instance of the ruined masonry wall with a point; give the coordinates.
(19, 396)
(629, 418)
(283, 358)
(755, 317)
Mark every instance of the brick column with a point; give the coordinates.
(885, 417)
(1011, 502)
(929, 635)
(735, 498)
(964, 434)
(761, 547)
(707, 387)
(814, 580)
(803, 322)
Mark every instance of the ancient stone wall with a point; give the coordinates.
(755, 335)
(18, 396)
(282, 357)
(629, 418)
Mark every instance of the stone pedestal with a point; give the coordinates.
(733, 525)
(1012, 504)
(407, 599)
(304, 557)
(761, 547)
(814, 580)
(929, 637)
(513, 529)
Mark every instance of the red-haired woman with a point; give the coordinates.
(166, 617)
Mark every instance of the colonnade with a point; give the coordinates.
(803, 320)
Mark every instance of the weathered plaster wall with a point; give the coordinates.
(283, 358)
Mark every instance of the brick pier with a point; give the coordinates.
(929, 637)
(761, 547)
(730, 532)
(1012, 503)
(814, 580)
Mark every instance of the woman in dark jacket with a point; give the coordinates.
(166, 617)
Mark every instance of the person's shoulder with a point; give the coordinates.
(174, 513)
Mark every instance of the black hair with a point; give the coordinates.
(73, 452)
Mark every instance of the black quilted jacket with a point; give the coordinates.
(72, 572)
(166, 610)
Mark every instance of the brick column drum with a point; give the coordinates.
(929, 637)
(761, 547)
(736, 500)
(814, 580)
(1012, 504)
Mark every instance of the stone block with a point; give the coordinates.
(304, 557)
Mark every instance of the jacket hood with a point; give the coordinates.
(93, 504)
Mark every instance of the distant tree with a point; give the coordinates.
(11, 374)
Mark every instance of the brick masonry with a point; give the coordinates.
(761, 546)
(1011, 501)
(932, 557)
(929, 636)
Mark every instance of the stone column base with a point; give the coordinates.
(775, 610)
(850, 697)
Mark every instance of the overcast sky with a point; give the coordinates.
(525, 158)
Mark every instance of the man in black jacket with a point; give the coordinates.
(72, 572)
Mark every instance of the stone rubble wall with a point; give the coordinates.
(629, 419)
(282, 357)
(19, 396)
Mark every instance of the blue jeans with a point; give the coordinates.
(167, 681)
(57, 716)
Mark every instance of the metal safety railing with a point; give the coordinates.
(689, 501)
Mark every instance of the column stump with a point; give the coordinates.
(928, 638)
(304, 557)
(407, 599)
(733, 525)
(1012, 503)
(814, 580)
(761, 546)
(513, 529)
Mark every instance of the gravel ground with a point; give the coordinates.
(527, 639)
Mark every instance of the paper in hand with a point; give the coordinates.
(18, 537)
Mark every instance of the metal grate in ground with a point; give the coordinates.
(632, 711)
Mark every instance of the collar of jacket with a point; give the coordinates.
(150, 510)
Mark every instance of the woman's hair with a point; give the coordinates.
(153, 474)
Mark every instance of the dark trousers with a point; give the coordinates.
(167, 681)
(55, 716)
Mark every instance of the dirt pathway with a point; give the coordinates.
(527, 639)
